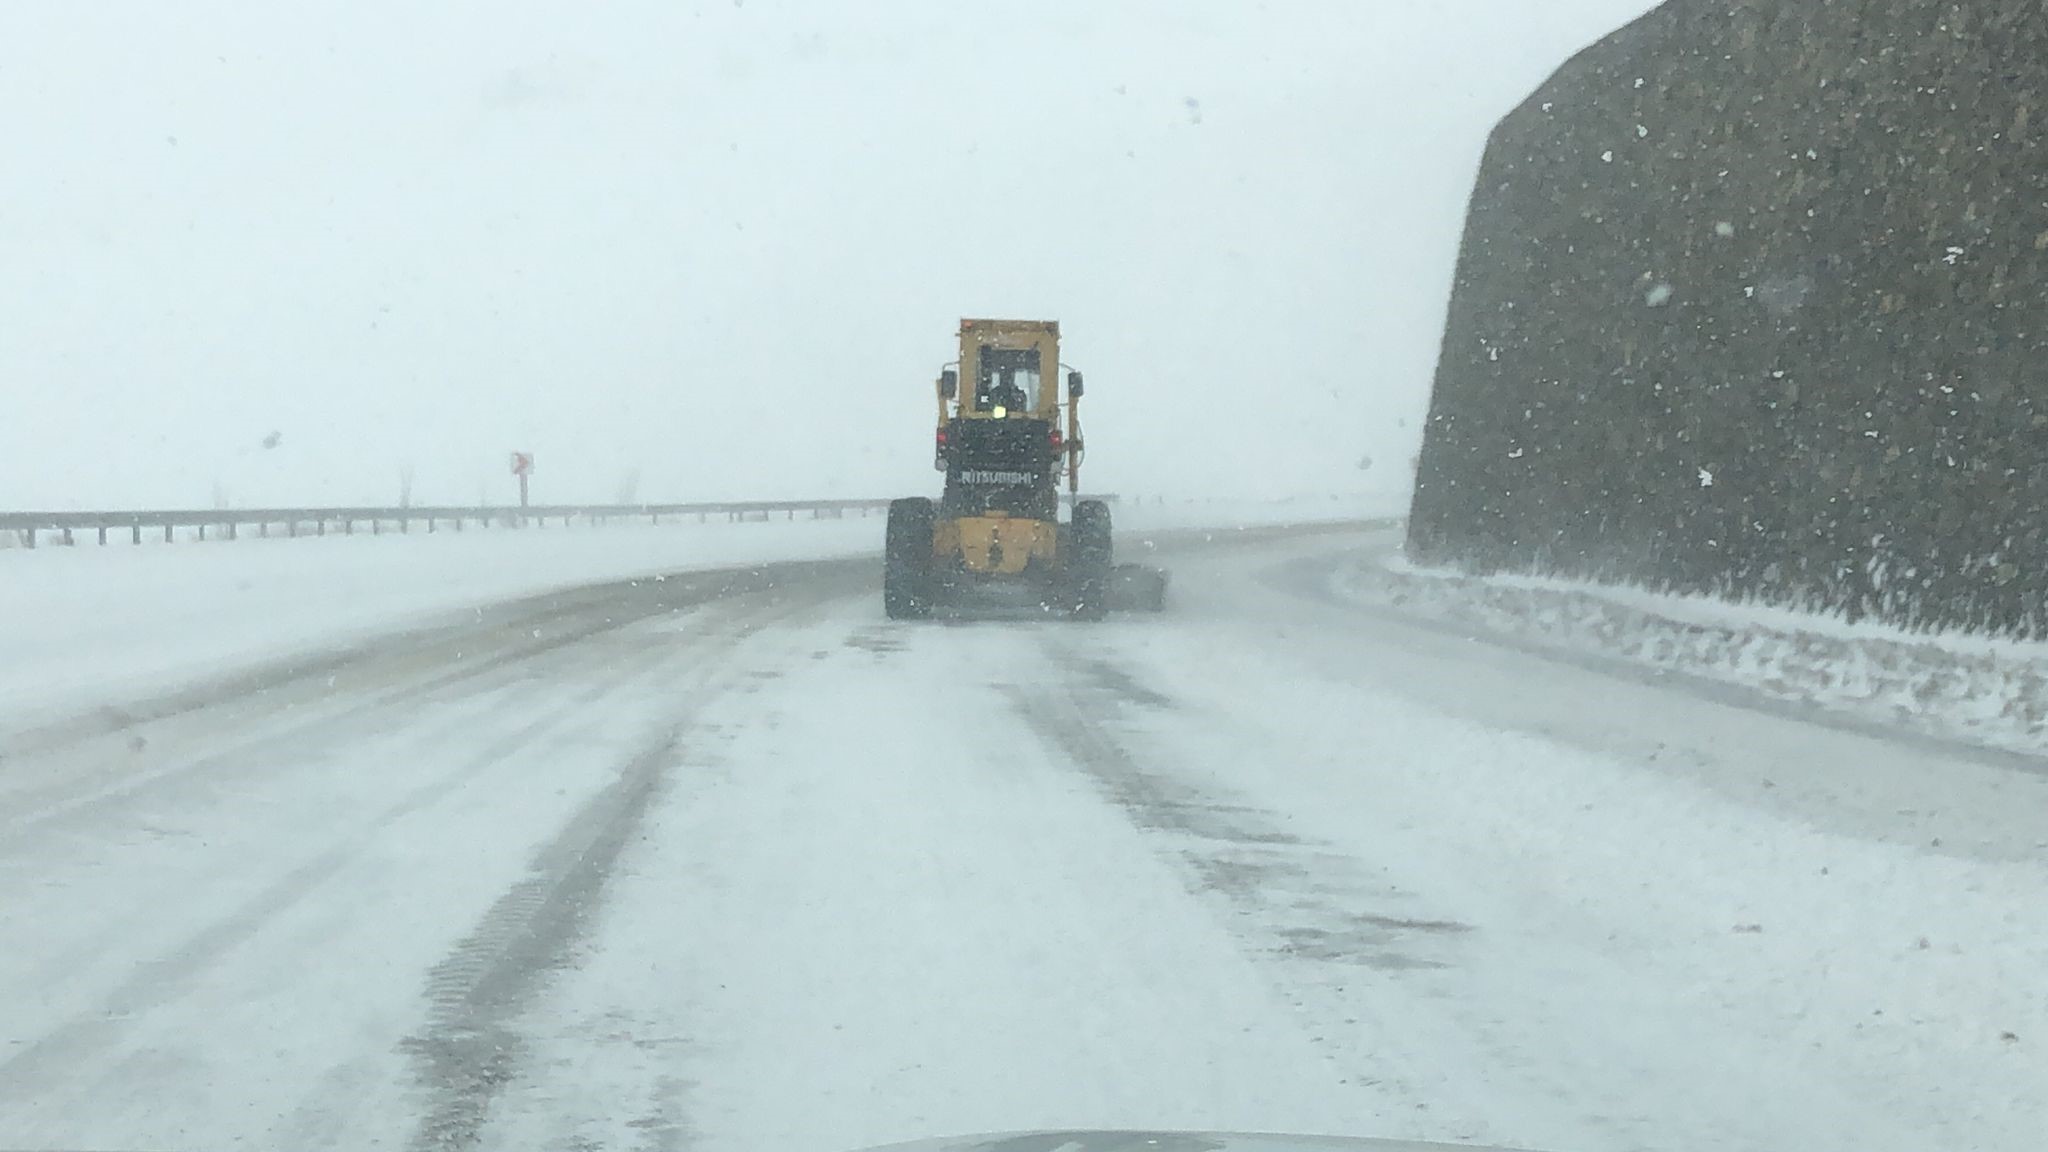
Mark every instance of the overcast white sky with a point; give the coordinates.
(725, 244)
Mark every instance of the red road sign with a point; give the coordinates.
(522, 463)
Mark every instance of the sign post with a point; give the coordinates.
(522, 467)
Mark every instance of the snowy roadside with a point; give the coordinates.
(1161, 513)
(1959, 687)
(88, 626)
(91, 625)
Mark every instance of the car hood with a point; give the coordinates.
(1134, 1141)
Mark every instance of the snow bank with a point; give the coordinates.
(89, 624)
(1988, 692)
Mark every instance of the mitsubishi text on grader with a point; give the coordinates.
(1006, 438)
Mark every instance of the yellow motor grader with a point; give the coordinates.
(1006, 437)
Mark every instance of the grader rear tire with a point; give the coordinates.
(1092, 566)
(907, 578)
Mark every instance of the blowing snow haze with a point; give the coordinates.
(275, 254)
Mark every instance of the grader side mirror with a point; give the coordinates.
(1074, 385)
(949, 384)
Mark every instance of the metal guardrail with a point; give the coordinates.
(33, 528)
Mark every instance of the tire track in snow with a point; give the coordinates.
(1513, 1030)
(472, 1046)
(444, 665)
(440, 720)
(1303, 907)
(1337, 951)
(429, 644)
(87, 1054)
(1301, 891)
(391, 707)
(29, 1073)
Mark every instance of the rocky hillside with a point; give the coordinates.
(1751, 300)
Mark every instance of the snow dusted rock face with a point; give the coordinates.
(1800, 247)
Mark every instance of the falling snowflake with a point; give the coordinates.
(1706, 478)
(1724, 229)
(1607, 157)
(1659, 296)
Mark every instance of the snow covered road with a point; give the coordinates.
(729, 862)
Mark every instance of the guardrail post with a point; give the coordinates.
(430, 525)
(320, 527)
(28, 537)
(103, 535)
(167, 534)
(376, 526)
(231, 529)
(348, 527)
(135, 533)
(202, 531)
(263, 529)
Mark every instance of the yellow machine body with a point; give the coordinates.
(1009, 431)
(997, 545)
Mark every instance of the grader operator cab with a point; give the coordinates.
(1005, 439)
